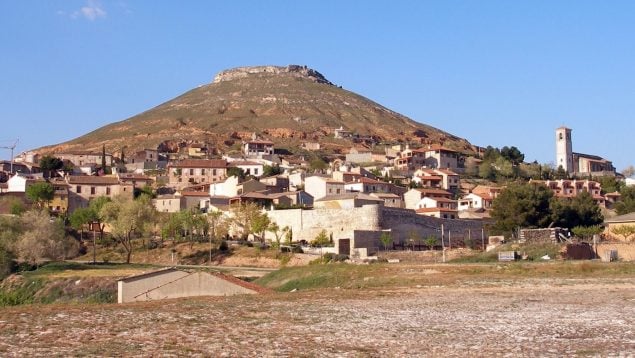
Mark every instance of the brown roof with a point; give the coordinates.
(130, 176)
(194, 193)
(432, 210)
(92, 180)
(433, 191)
(243, 162)
(200, 163)
(260, 142)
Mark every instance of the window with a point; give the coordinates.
(337, 191)
(214, 172)
(255, 171)
(560, 137)
(78, 189)
(202, 171)
(107, 190)
(191, 171)
(92, 190)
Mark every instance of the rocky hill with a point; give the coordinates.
(288, 105)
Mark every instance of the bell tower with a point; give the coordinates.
(564, 153)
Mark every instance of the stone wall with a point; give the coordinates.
(364, 225)
(402, 222)
(625, 251)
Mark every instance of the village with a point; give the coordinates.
(400, 195)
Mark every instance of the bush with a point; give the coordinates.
(6, 263)
(223, 246)
(297, 250)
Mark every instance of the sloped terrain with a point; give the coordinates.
(287, 105)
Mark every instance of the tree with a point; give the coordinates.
(243, 217)
(259, 225)
(624, 230)
(44, 238)
(413, 238)
(512, 154)
(627, 201)
(277, 232)
(486, 170)
(430, 241)
(522, 205)
(610, 184)
(40, 193)
(581, 211)
(236, 172)
(629, 171)
(318, 165)
(322, 239)
(82, 218)
(126, 218)
(103, 158)
(271, 170)
(587, 232)
(385, 239)
(49, 164)
(217, 229)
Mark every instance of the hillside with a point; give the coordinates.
(287, 105)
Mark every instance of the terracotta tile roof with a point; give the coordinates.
(433, 191)
(430, 177)
(260, 142)
(134, 176)
(195, 193)
(243, 162)
(443, 200)
(433, 210)
(200, 163)
(92, 180)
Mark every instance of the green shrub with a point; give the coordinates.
(223, 246)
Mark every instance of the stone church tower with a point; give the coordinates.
(564, 153)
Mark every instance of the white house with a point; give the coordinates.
(320, 187)
(413, 196)
(228, 188)
(249, 167)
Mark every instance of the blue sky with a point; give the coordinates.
(495, 72)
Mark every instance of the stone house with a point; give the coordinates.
(81, 158)
(169, 203)
(390, 200)
(276, 183)
(196, 171)
(84, 188)
(571, 188)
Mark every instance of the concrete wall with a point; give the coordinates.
(174, 284)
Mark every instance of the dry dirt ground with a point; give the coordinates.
(505, 318)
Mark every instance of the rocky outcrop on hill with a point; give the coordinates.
(293, 70)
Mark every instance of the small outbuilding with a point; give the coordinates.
(176, 283)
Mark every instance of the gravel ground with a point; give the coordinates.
(526, 317)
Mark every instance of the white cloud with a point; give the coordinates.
(91, 11)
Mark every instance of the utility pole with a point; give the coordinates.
(442, 243)
(11, 147)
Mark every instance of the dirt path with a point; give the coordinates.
(555, 317)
